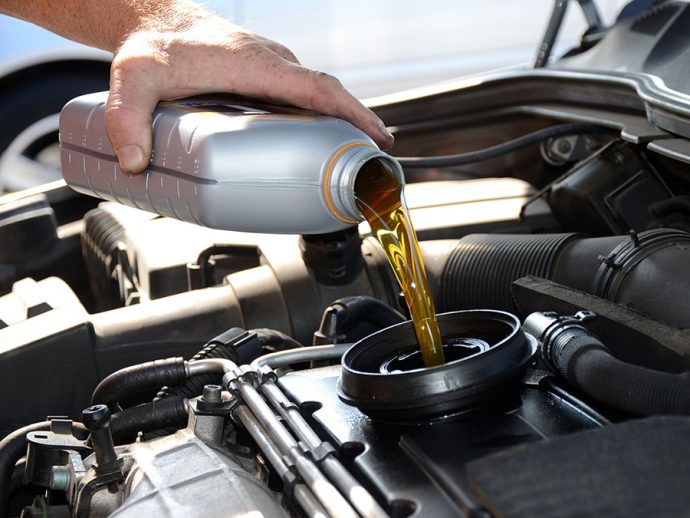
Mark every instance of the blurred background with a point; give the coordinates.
(379, 47)
(375, 47)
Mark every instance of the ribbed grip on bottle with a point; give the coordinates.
(479, 271)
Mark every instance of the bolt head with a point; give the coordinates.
(212, 394)
(59, 478)
(96, 417)
(564, 146)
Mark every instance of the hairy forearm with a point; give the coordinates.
(104, 23)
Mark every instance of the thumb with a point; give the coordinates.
(128, 121)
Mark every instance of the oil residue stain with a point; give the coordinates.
(379, 197)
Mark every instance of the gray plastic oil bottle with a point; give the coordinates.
(225, 163)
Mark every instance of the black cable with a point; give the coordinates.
(480, 155)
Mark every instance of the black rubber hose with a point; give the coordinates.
(222, 346)
(480, 155)
(17, 480)
(588, 364)
(168, 412)
(344, 314)
(478, 272)
(237, 345)
(134, 379)
(368, 309)
(13, 448)
(644, 271)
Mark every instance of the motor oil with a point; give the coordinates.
(380, 198)
(231, 164)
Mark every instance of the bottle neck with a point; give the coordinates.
(339, 182)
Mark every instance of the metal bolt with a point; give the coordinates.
(96, 419)
(59, 478)
(212, 394)
(564, 146)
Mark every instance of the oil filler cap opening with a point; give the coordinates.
(383, 377)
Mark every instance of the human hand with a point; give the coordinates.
(197, 52)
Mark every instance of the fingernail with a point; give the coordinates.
(130, 158)
(385, 133)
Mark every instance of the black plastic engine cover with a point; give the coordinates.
(421, 469)
(545, 453)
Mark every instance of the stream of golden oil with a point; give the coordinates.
(380, 199)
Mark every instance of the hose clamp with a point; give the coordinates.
(546, 326)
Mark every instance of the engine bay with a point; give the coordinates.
(150, 365)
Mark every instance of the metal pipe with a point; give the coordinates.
(302, 493)
(361, 499)
(262, 440)
(290, 414)
(358, 496)
(309, 503)
(268, 426)
(302, 355)
(209, 365)
(266, 417)
(334, 503)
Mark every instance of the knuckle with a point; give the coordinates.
(326, 83)
(128, 67)
(325, 92)
(285, 52)
(244, 40)
(141, 54)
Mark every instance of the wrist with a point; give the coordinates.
(156, 17)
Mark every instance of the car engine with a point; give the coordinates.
(151, 366)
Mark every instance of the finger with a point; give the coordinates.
(330, 96)
(128, 116)
(294, 84)
(325, 94)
